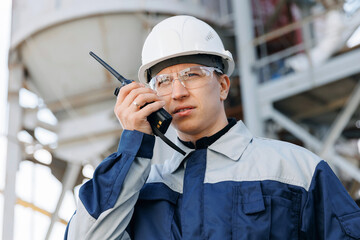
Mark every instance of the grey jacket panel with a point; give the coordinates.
(112, 223)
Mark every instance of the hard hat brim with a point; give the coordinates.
(226, 56)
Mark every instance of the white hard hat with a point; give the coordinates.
(180, 36)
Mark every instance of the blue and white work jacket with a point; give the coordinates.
(239, 187)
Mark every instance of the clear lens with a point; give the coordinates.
(193, 77)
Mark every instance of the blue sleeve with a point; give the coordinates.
(102, 191)
(329, 211)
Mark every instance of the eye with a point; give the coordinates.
(194, 73)
(162, 81)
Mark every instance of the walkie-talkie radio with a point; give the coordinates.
(159, 120)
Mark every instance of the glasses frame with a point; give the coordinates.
(179, 77)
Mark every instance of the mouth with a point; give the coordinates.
(182, 109)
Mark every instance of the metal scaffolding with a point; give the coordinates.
(259, 98)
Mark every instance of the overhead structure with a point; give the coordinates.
(311, 88)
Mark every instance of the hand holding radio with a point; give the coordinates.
(134, 104)
(148, 114)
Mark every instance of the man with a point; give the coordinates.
(229, 184)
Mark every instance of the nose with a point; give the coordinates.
(178, 90)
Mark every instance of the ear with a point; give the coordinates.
(224, 86)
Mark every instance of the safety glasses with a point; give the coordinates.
(190, 78)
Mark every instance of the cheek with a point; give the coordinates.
(209, 95)
(215, 92)
(167, 104)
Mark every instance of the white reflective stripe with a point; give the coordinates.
(264, 159)
(238, 156)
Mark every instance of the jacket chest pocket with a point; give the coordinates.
(259, 216)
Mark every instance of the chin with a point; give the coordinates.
(188, 128)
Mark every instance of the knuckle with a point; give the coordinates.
(135, 92)
(141, 99)
(127, 89)
(123, 90)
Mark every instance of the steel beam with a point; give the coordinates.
(301, 133)
(85, 126)
(244, 33)
(295, 129)
(84, 99)
(279, 55)
(13, 157)
(70, 177)
(292, 84)
(341, 120)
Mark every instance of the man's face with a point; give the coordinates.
(197, 112)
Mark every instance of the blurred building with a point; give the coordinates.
(296, 79)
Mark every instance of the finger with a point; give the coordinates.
(125, 90)
(144, 98)
(136, 104)
(123, 99)
(124, 110)
(150, 108)
(137, 94)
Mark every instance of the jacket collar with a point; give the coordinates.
(232, 145)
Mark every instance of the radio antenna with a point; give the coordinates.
(109, 68)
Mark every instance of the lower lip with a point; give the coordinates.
(184, 113)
